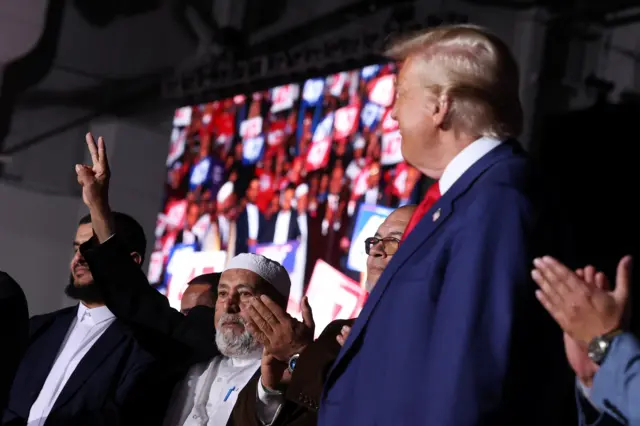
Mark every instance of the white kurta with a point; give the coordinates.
(207, 395)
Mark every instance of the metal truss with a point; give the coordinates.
(356, 44)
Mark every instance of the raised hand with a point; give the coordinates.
(582, 311)
(280, 334)
(576, 351)
(95, 178)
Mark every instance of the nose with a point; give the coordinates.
(394, 112)
(232, 305)
(377, 250)
(78, 259)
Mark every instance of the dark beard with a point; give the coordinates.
(89, 293)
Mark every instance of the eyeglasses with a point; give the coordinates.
(389, 245)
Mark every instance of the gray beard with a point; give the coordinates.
(233, 345)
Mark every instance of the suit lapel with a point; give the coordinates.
(92, 361)
(429, 223)
(44, 350)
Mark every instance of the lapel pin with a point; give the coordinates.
(436, 215)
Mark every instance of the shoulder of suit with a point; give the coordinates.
(334, 327)
(51, 315)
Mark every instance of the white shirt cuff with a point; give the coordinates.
(268, 404)
(584, 390)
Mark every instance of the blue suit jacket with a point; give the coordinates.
(112, 385)
(616, 385)
(452, 334)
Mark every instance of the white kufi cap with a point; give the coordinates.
(302, 189)
(225, 191)
(269, 270)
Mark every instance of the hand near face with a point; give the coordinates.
(280, 334)
(582, 311)
(94, 179)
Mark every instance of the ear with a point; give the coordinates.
(136, 257)
(440, 110)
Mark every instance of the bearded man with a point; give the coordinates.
(208, 393)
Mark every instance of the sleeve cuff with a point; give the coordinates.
(268, 404)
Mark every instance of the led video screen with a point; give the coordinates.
(285, 173)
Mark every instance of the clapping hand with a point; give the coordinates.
(582, 310)
(280, 333)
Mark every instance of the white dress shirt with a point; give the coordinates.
(253, 217)
(224, 226)
(207, 395)
(464, 160)
(302, 224)
(85, 330)
(281, 234)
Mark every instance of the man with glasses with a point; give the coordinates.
(300, 386)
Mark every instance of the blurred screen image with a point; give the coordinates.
(282, 172)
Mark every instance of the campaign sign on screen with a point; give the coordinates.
(369, 218)
(185, 265)
(332, 296)
(284, 254)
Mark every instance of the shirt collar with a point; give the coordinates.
(464, 160)
(96, 315)
(247, 360)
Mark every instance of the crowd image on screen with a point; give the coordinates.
(262, 161)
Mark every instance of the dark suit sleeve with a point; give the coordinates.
(303, 393)
(493, 349)
(308, 377)
(129, 296)
(14, 332)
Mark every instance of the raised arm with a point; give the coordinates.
(125, 287)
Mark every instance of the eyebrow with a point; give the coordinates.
(238, 287)
(396, 233)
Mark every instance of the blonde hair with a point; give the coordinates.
(475, 71)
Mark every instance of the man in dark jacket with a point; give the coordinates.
(83, 366)
(14, 323)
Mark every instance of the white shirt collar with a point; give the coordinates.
(464, 160)
(97, 315)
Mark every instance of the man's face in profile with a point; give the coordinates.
(389, 235)
(80, 272)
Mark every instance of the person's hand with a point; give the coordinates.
(95, 178)
(576, 351)
(582, 311)
(275, 374)
(344, 333)
(280, 334)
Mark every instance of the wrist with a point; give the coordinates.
(586, 381)
(270, 388)
(100, 210)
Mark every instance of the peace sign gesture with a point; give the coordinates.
(95, 179)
